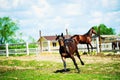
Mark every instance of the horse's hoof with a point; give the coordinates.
(82, 63)
(66, 70)
(78, 71)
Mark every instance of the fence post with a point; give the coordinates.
(49, 46)
(27, 48)
(97, 44)
(36, 51)
(7, 52)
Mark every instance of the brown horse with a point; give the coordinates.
(85, 39)
(67, 49)
(115, 44)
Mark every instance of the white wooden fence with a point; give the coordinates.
(36, 50)
(25, 50)
(81, 47)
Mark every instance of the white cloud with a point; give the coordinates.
(9, 4)
(96, 18)
(38, 11)
(109, 3)
(63, 22)
(43, 9)
(114, 14)
(4, 4)
(95, 21)
(110, 19)
(97, 14)
(54, 17)
(71, 9)
(113, 17)
(57, 19)
(15, 3)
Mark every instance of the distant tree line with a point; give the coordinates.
(8, 27)
(9, 31)
(104, 30)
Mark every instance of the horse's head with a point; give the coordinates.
(93, 30)
(60, 39)
(90, 32)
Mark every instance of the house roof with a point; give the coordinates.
(52, 38)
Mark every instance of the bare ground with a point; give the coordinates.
(57, 58)
(87, 59)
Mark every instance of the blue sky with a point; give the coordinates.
(54, 16)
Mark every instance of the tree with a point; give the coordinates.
(31, 39)
(118, 34)
(17, 38)
(104, 30)
(8, 27)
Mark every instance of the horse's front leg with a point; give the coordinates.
(74, 61)
(88, 49)
(64, 63)
(91, 47)
(77, 53)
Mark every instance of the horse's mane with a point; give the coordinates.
(88, 33)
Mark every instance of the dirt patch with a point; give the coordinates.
(15, 67)
(57, 58)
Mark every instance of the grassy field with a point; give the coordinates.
(49, 67)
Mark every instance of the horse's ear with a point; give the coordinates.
(92, 28)
(56, 35)
(61, 34)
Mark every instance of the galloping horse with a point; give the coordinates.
(114, 44)
(85, 39)
(67, 49)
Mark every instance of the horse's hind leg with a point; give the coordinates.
(119, 45)
(74, 61)
(77, 53)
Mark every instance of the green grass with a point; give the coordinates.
(37, 75)
(46, 70)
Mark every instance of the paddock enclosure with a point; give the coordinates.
(30, 61)
(34, 48)
(26, 61)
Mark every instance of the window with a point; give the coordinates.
(54, 44)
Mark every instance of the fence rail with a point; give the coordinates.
(23, 48)
(34, 48)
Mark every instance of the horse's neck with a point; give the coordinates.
(89, 33)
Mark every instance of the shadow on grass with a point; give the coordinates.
(62, 71)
